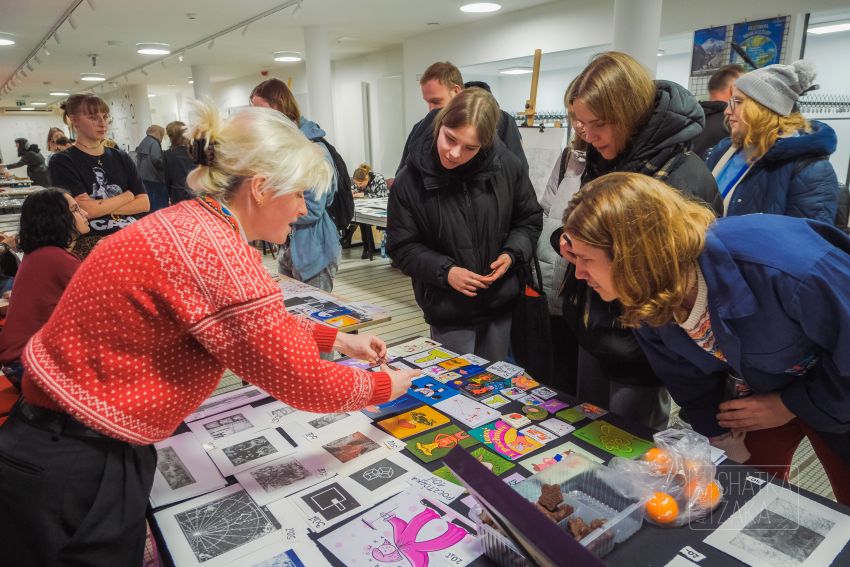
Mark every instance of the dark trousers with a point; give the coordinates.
(367, 237)
(70, 497)
(157, 194)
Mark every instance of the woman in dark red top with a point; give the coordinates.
(51, 221)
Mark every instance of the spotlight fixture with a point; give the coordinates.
(211, 44)
(480, 7)
(92, 77)
(57, 38)
(288, 56)
(72, 22)
(181, 56)
(145, 73)
(516, 71)
(153, 48)
(29, 66)
(7, 39)
(296, 11)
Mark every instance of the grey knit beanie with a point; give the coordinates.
(777, 86)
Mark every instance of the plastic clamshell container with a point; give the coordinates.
(593, 491)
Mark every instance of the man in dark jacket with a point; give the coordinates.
(719, 93)
(30, 156)
(466, 217)
(149, 162)
(440, 83)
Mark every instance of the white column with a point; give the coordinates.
(637, 29)
(318, 61)
(201, 81)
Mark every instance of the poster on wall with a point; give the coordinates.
(761, 40)
(707, 54)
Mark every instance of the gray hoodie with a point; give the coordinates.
(149, 159)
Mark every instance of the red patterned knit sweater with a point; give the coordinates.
(148, 324)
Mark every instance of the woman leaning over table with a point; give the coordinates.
(143, 334)
(746, 319)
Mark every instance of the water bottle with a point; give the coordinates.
(384, 245)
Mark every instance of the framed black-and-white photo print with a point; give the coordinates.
(183, 470)
(247, 450)
(214, 429)
(282, 477)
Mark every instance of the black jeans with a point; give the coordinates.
(70, 496)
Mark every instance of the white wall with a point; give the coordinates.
(33, 127)
(829, 54)
(234, 93)
(131, 115)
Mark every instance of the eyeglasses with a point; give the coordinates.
(733, 103)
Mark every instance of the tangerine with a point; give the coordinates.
(659, 459)
(662, 508)
(707, 496)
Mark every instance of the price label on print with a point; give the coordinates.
(692, 554)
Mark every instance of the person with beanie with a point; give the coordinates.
(775, 161)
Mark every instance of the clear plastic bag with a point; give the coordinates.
(676, 477)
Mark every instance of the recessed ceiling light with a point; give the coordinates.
(287, 56)
(151, 95)
(831, 28)
(7, 39)
(153, 48)
(516, 71)
(92, 77)
(38, 103)
(480, 7)
(59, 93)
(660, 53)
(191, 82)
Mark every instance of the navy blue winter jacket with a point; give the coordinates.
(794, 178)
(779, 302)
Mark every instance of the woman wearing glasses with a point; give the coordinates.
(51, 222)
(104, 181)
(775, 161)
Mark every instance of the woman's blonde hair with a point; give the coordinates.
(653, 235)
(471, 107)
(362, 172)
(277, 94)
(255, 141)
(617, 90)
(764, 127)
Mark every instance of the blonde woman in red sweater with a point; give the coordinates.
(143, 334)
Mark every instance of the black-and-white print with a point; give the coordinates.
(783, 533)
(278, 475)
(216, 527)
(350, 447)
(378, 474)
(176, 473)
(326, 420)
(330, 501)
(280, 413)
(229, 425)
(248, 451)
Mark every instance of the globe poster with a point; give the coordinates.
(761, 40)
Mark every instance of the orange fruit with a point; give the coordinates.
(659, 460)
(707, 496)
(662, 508)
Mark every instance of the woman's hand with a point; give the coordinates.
(499, 267)
(566, 248)
(466, 282)
(761, 411)
(362, 347)
(400, 379)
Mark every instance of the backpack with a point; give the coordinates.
(341, 209)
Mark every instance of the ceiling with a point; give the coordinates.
(111, 29)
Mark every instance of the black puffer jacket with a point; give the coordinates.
(715, 127)
(660, 149)
(439, 218)
(30, 156)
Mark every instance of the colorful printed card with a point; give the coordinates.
(430, 391)
(505, 369)
(446, 474)
(539, 434)
(437, 443)
(535, 413)
(342, 321)
(454, 363)
(496, 464)
(515, 419)
(544, 460)
(475, 359)
(557, 426)
(416, 421)
(612, 439)
(505, 440)
(467, 411)
(447, 377)
(553, 406)
(414, 346)
(397, 405)
(545, 393)
(434, 371)
(580, 412)
(331, 313)
(530, 400)
(430, 357)
(404, 532)
(496, 401)
(524, 382)
(513, 393)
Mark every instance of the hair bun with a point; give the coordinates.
(203, 152)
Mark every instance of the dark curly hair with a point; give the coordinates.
(46, 220)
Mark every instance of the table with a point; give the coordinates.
(12, 186)
(651, 545)
(293, 289)
(371, 211)
(10, 223)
